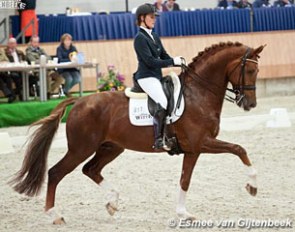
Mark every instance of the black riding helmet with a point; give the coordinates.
(144, 10)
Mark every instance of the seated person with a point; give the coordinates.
(15, 55)
(227, 4)
(160, 7)
(261, 3)
(282, 3)
(244, 4)
(65, 52)
(171, 5)
(33, 53)
(6, 80)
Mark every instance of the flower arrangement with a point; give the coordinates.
(112, 81)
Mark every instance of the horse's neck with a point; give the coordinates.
(210, 91)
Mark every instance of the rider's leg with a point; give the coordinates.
(153, 87)
(159, 125)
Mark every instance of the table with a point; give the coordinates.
(25, 69)
(67, 65)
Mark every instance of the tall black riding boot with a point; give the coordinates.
(159, 125)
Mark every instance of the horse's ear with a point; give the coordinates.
(258, 50)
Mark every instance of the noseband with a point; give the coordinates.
(238, 89)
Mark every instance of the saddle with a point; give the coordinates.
(142, 107)
(168, 87)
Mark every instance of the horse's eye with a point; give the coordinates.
(251, 71)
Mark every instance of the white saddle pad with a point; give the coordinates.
(138, 107)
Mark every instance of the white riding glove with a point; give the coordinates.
(179, 60)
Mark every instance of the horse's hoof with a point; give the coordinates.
(186, 216)
(55, 217)
(251, 190)
(111, 208)
(59, 221)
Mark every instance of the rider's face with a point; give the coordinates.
(150, 20)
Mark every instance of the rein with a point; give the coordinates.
(238, 90)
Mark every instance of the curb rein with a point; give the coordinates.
(238, 90)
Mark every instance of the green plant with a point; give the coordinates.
(112, 81)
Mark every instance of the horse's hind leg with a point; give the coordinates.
(212, 145)
(66, 165)
(106, 153)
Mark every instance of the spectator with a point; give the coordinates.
(227, 4)
(160, 6)
(33, 53)
(171, 5)
(244, 4)
(15, 56)
(261, 3)
(26, 15)
(65, 53)
(282, 3)
(6, 81)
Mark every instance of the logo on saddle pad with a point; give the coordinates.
(138, 105)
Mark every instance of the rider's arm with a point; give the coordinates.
(143, 51)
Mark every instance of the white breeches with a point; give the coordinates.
(153, 87)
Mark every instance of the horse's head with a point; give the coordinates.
(242, 74)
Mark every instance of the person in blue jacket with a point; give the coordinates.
(65, 53)
(261, 3)
(282, 3)
(152, 57)
(227, 4)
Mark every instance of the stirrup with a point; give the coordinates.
(160, 143)
(166, 144)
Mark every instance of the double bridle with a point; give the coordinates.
(238, 89)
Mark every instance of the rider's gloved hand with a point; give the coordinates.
(179, 60)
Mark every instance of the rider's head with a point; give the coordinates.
(146, 15)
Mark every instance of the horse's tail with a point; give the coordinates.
(30, 177)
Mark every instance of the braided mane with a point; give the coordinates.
(215, 48)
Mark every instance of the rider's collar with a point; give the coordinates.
(149, 31)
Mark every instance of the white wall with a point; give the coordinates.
(50, 7)
(55, 7)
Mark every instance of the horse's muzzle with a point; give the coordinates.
(247, 104)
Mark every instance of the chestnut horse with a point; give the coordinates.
(99, 124)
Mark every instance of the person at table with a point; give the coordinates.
(227, 4)
(33, 53)
(6, 80)
(282, 3)
(65, 53)
(15, 55)
(171, 5)
(244, 4)
(261, 3)
(160, 6)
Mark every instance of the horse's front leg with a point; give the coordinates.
(189, 162)
(212, 145)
